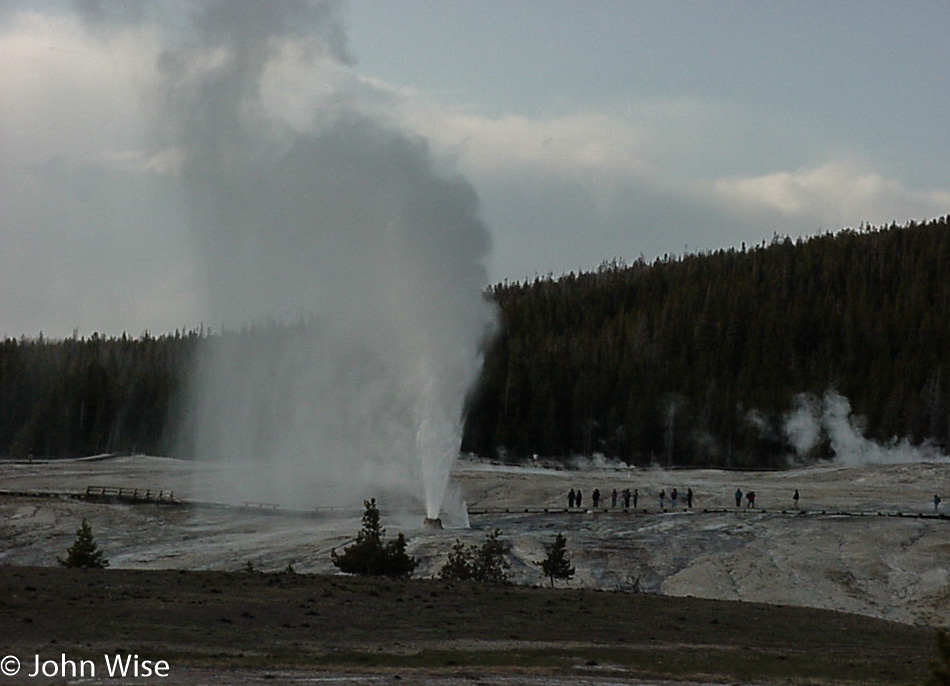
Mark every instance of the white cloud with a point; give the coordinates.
(167, 161)
(569, 191)
(89, 236)
(835, 194)
(66, 93)
(598, 154)
(576, 144)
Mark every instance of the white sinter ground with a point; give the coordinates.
(846, 550)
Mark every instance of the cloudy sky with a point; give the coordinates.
(589, 131)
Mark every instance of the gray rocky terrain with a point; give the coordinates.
(865, 539)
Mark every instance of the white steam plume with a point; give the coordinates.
(308, 212)
(803, 424)
(831, 416)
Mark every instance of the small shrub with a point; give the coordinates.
(486, 563)
(369, 555)
(459, 565)
(84, 553)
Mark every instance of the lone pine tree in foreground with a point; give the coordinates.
(84, 553)
(369, 555)
(556, 565)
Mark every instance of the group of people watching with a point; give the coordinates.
(575, 498)
(626, 498)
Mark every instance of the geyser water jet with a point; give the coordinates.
(346, 264)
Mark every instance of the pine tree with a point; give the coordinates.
(369, 555)
(491, 562)
(84, 553)
(556, 565)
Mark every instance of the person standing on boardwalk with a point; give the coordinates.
(795, 498)
(578, 497)
(595, 496)
(738, 497)
(750, 496)
(613, 498)
(674, 497)
(626, 498)
(662, 498)
(570, 498)
(636, 497)
(689, 498)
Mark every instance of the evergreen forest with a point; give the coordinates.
(685, 361)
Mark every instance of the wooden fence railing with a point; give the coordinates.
(128, 493)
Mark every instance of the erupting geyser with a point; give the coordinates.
(347, 267)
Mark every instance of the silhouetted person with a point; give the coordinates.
(636, 497)
(626, 498)
(613, 498)
(662, 498)
(750, 496)
(674, 496)
(689, 498)
(595, 496)
(570, 498)
(578, 497)
(738, 497)
(795, 498)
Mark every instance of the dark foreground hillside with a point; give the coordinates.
(245, 627)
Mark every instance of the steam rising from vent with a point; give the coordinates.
(348, 270)
(831, 417)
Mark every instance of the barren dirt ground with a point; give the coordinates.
(239, 627)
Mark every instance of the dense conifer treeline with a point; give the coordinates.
(685, 361)
(89, 396)
(696, 360)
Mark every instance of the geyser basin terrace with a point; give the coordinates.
(883, 566)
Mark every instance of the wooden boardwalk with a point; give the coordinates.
(135, 495)
(619, 512)
(128, 493)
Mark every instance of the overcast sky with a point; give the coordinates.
(589, 131)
